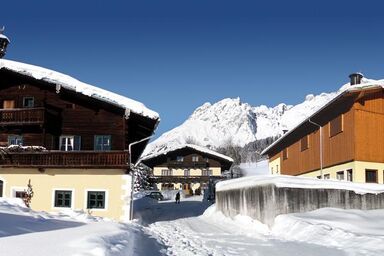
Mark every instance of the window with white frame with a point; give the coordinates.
(206, 172)
(166, 172)
(179, 158)
(70, 143)
(195, 158)
(63, 198)
(340, 175)
(96, 200)
(28, 102)
(349, 175)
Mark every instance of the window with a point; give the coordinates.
(187, 172)
(15, 140)
(179, 159)
(167, 186)
(70, 143)
(63, 198)
(96, 200)
(370, 176)
(304, 143)
(285, 153)
(319, 177)
(28, 102)
(327, 176)
(206, 172)
(340, 175)
(102, 142)
(195, 158)
(336, 126)
(349, 175)
(166, 172)
(20, 194)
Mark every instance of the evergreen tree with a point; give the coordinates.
(142, 178)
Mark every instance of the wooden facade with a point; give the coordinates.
(41, 114)
(352, 129)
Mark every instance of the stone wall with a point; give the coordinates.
(265, 202)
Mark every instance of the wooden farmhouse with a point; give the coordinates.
(343, 140)
(188, 168)
(69, 139)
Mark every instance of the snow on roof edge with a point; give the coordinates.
(298, 182)
(70, 83)
(358, 87)
(198, 148)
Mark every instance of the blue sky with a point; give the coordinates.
(175, 55)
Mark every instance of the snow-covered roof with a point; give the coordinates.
(298, 182)
(3, 36)
(367, 84)
(195, 147)
(61, 80)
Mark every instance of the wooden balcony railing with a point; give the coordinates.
(177, 164)
(184, 179)
(18, 116)
(65, 159)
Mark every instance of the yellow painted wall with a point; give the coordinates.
(358, 171)
(112, 181)
(216, 171)
(275, 166)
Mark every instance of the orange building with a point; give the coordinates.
(343, 140)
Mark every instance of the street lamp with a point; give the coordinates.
(132, 172)
(4, 41)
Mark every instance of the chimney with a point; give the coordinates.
(4, 41)
(355, 78)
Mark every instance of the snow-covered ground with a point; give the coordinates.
(193, 227)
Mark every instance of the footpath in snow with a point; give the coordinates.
(325, 231)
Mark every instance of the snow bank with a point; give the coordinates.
(61, 80)
(265, 197)
(298, 182)
(357, 232)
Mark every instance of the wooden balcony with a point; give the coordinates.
(22, 116)
(181, 165)
(66, 159)
(184, 179)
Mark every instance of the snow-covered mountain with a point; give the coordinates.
(236, 122)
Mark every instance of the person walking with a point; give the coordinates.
(177, 198)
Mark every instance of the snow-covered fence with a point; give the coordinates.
(264, 198)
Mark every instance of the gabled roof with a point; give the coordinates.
(191, 146)
(61, 80)
(187, 146)
(347, 89)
